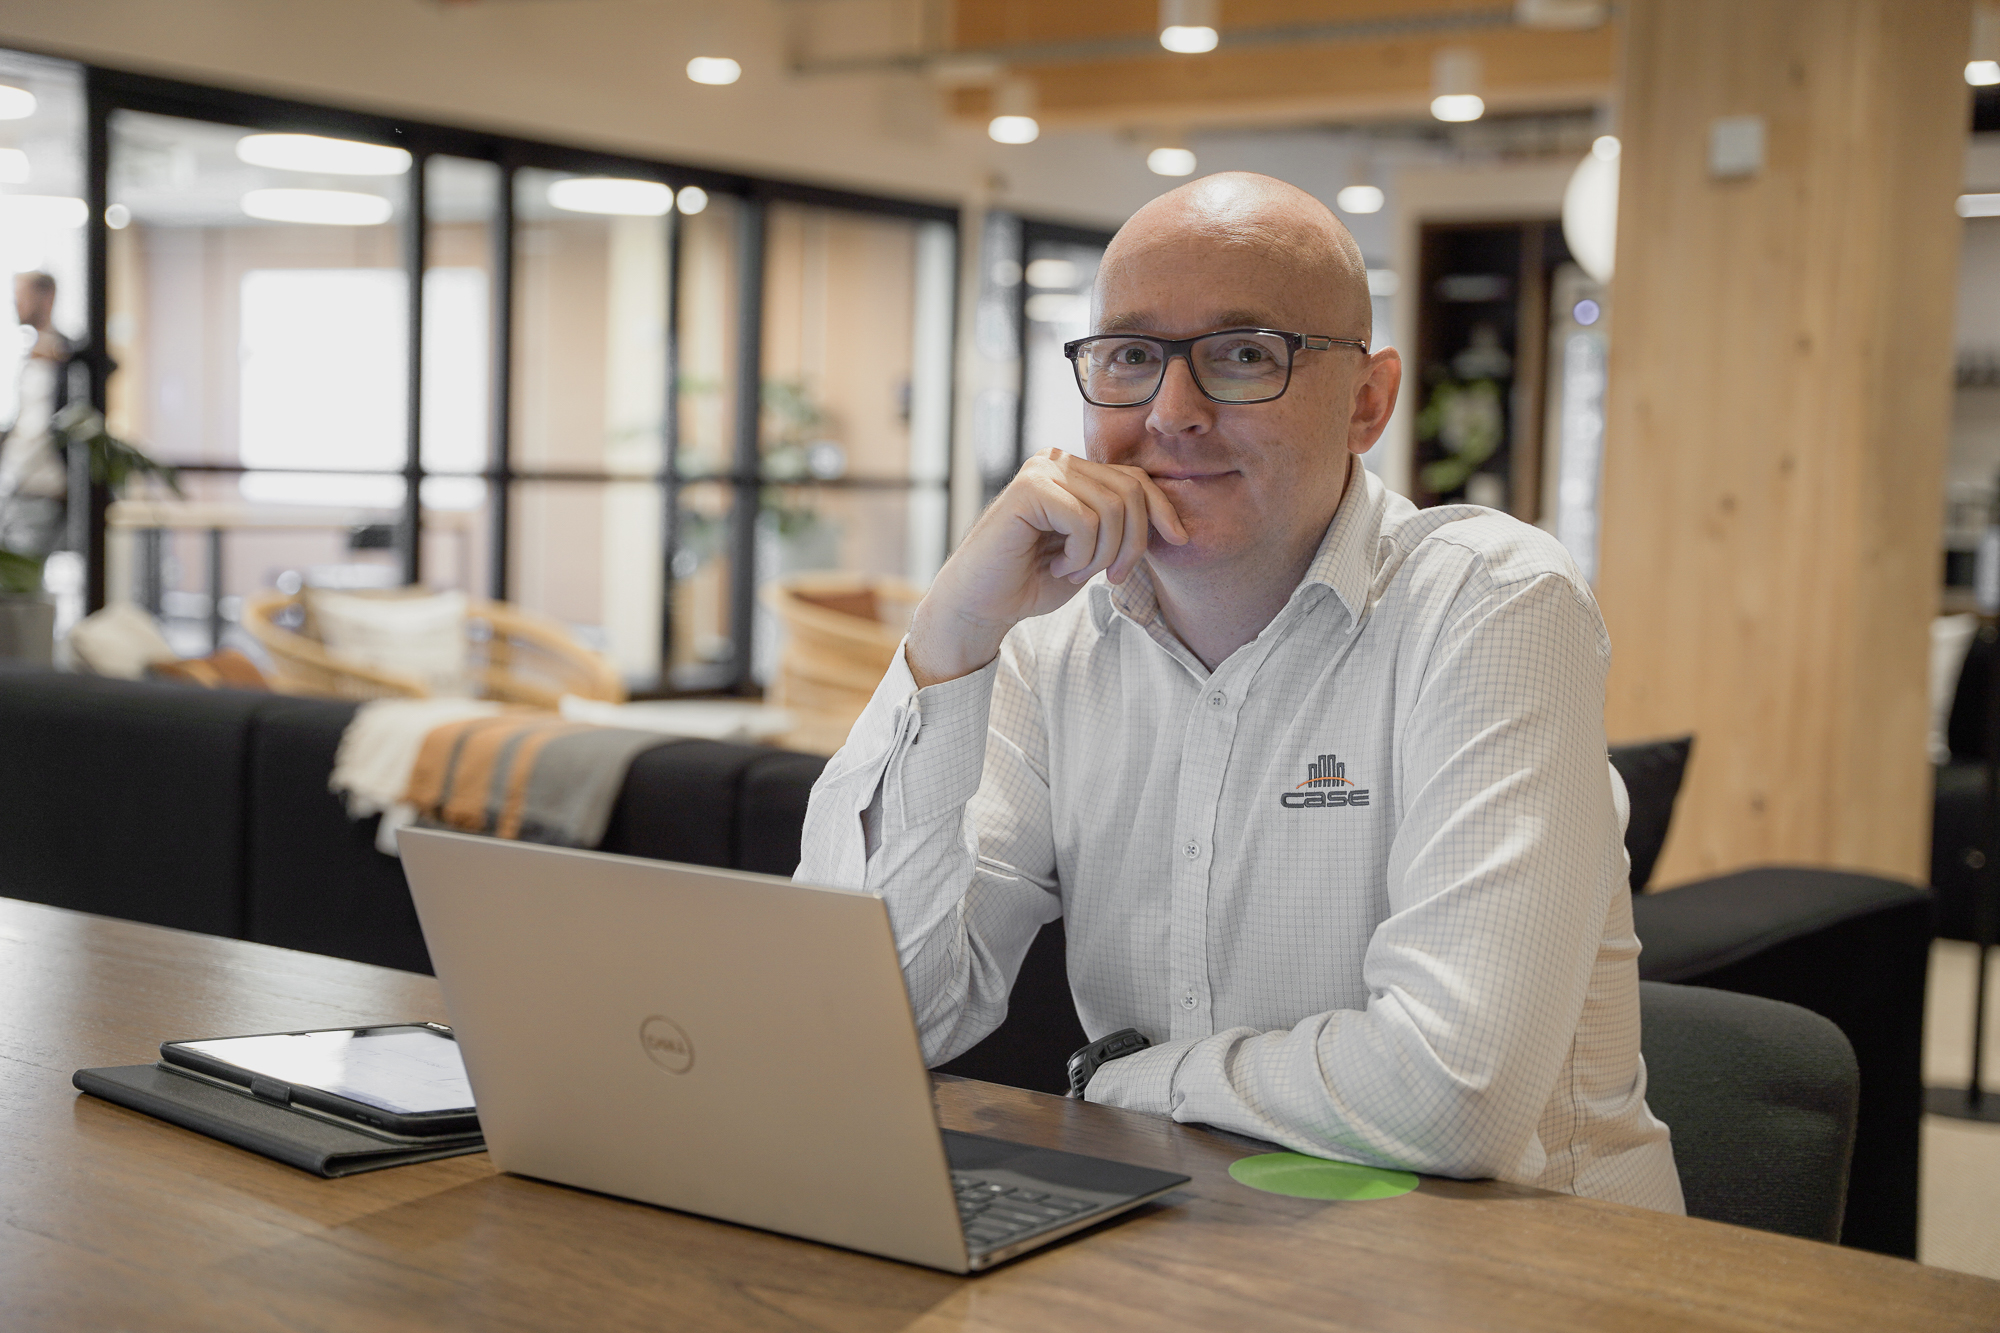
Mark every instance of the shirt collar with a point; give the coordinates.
(1344, 563)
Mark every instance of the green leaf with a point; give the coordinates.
(20, 575)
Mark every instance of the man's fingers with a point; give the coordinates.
(1065, 513)
(1160, 511)
(1104, 513)
(1111, 523)
(1136, 533)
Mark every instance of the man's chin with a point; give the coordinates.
(1202, 548)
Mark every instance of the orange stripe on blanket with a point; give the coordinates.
(432, 778)
(469, 803)
(433, 766)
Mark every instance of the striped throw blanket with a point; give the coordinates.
(534, 777)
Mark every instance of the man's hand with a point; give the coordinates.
(1059, 522)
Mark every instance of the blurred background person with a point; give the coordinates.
(33, 478)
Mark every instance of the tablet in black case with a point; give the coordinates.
(299, 1139)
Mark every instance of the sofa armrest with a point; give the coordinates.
(1852, 948)
(1699, 928)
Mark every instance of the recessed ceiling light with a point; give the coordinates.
(1013, 129)
(1187, 27)
(13, 167)
(1188, 41)
(612, 194)
(1456, 72)
(1982, 73)
(117, 217)
(329, 208)
(1458, 106)
(1171, 162)
(15, 103)
(312, 152)
(691, 200)
(714, 70)
(1359, 199)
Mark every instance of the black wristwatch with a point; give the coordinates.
(1102, 1052)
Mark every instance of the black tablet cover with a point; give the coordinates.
(292, 1137)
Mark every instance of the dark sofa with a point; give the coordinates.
(210, 812)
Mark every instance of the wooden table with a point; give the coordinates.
(109, 1219)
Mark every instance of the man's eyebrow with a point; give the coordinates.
(1129, 322)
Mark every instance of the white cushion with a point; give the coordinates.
(121, 640)
(421, 636)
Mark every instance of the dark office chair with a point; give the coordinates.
(1761, 1097)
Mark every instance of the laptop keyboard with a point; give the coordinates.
(993, 1214)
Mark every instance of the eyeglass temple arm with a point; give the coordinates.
(1319, 344)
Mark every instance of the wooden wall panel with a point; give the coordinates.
(1777, 419)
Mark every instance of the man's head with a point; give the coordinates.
(34, 299)
(1239, 250)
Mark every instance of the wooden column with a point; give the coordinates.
(1777, 417)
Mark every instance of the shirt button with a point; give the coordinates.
(1217, 699)
(1187, 1001)
(1190, 849)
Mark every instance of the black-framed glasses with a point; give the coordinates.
(1229, 366)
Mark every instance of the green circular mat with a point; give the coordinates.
(1305, 1177)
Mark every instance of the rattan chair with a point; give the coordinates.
(841, 632)
(511, 655)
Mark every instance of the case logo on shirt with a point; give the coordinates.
(1326, 785)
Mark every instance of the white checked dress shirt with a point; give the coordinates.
(1363, 885)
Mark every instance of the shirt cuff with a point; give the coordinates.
(1141, 1082)
(943, 755)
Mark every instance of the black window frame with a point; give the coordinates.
(110, 90)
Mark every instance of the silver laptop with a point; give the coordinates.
(727, 1044)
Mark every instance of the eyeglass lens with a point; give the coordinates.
(1235, 367)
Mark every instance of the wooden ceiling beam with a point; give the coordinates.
(984, 25)
(1524, 70)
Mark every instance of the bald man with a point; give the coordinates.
(1316, 779)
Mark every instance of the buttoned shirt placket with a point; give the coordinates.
(1207, 739)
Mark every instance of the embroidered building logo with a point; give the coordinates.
(1326, 784)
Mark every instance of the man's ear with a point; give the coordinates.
(1374, 399)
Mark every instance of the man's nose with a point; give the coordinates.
(1180, 407)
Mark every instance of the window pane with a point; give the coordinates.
(703, 656)
(461, 198)
(706, 346)
(41, 231)
(590, 319)
(893, 533)
(257, 307)
(1059, 275)
(458, 533)
(161, 554)
(590, 555)
(856, 345)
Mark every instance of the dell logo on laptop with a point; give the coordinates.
(666, 1045)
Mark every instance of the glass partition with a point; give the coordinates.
(259, 292)
(855, 437)
(591, 294)
(572, 327)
